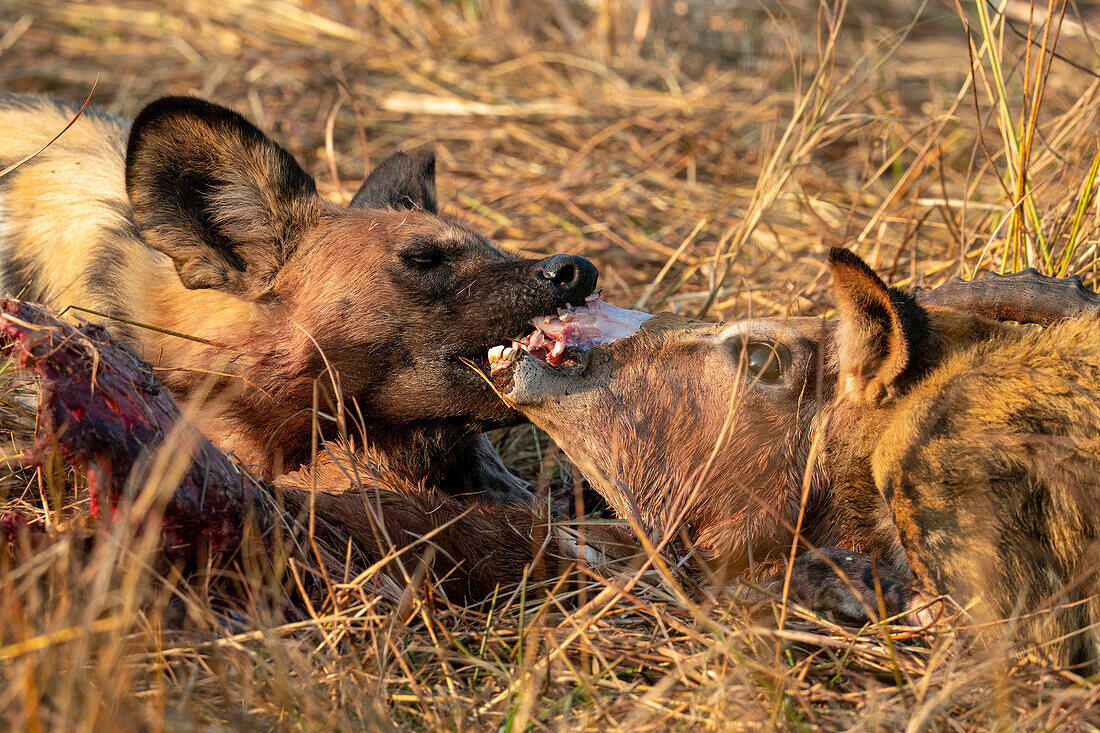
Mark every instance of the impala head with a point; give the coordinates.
(696, 423)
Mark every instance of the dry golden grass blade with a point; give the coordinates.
(30, 156)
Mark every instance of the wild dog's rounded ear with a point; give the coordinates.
(878, 329)
(401, 181)
(216, 195)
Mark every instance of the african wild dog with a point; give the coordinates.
(972, 460)
(930, 438)
(102, 410)
(192, 221)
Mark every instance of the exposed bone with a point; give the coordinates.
(593, 324)
(1026, 296)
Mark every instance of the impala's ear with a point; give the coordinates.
(881, 330)
(216, 195)
(401, 181)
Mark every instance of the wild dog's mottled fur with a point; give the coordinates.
(959, 446)
(979, 457)
(219, 234)
(74, 194)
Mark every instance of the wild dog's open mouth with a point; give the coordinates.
(556, 339)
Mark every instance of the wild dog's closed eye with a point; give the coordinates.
(424, 257)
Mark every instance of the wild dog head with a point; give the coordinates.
(965, 449)
(886, 343)
(390, 294)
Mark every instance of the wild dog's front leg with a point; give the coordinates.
(492, 478)
(454, 460)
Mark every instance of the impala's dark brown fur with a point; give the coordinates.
(191, 220)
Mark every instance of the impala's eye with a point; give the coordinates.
(764, 362)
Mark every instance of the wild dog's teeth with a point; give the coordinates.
(495, 354)
(509, 353)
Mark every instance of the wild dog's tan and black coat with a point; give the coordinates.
(201, 225)
(969, 451)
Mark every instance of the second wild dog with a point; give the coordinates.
(193, 221)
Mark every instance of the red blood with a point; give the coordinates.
(105, 410)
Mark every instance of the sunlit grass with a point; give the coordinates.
(705, 155)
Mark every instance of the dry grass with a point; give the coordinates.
(704, 154)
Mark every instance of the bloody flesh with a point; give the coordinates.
(585, 327)
(108, 415)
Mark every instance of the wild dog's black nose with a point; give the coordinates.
(572, 276)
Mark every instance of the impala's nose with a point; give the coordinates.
(572, 277)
